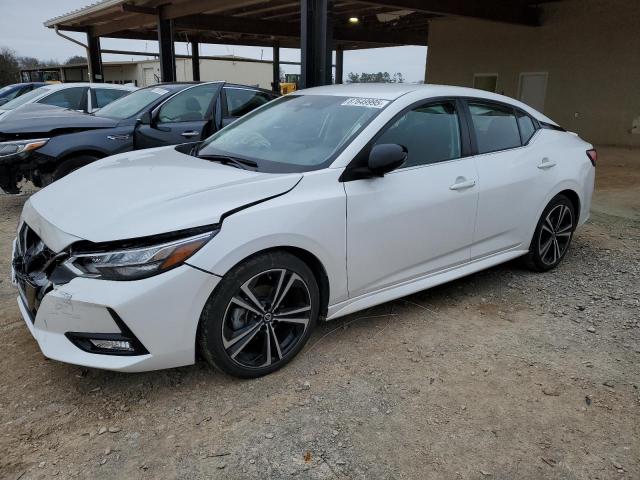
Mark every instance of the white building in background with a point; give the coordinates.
(147, 72)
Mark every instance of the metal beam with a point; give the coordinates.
(195, 61)
(127, 7)
(197, 7)
(315, 43)
(167, 51)
(339, 65)
(275, 85)
(202, 57)
(510, 11)
(94, 59)
(134, 21)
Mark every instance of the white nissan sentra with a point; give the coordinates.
(314, 206)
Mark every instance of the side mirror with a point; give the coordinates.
(3, 101)
(386, 157)
(145, 119)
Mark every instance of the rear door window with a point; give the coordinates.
(495, 127)
(241, 101)
(190, 105)
(71, 98)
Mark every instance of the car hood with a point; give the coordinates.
(144, 193)
(43, 119)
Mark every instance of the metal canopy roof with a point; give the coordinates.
(264, 22)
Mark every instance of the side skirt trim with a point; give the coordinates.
(422, 283)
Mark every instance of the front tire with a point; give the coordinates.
(553, 235)
(260, 315)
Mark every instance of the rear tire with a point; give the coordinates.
(260, 315)
(68, 166)
(553, 235)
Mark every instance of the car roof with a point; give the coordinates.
(62, 86)
(22, 84)
(393, 91)
(178, 85)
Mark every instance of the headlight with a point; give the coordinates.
(137, 263)
(21, 146)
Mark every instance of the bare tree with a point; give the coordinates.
(380, 77)
(76, 60)
(9, 67)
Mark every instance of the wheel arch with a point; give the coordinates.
(76, 153)
(568, 190)
(97, 154)
(574, 198)
(312, 261)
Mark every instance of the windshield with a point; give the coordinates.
(26, 98)
(295, 133)
(131, 104)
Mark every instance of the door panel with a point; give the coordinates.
(509, 196)
(148, 136)
(185, 117)
(511, 181)
(421, 218)
(409, 223)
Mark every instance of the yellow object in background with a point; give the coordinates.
(288, 88)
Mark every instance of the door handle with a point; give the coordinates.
(546, 164)
(462, 184)
(190, 133)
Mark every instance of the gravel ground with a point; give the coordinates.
(505, 374)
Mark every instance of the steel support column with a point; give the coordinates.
(94, 59)
(275, 85)
(339, 65)
(195, 61)
(167, 51)
(315, 43)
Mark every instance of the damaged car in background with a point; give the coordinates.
(42, 145)
(319, 204)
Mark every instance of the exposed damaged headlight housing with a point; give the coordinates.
(21, 146)
(136, 263)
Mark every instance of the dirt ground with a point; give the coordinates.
(505, 374)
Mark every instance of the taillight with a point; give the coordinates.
(593, 156)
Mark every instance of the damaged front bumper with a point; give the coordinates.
(155, 319)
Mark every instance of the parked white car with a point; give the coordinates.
(84, 97)
(314, 206)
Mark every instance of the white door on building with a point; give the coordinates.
(533, 89)
(149, 77)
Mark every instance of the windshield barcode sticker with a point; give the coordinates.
(366, 102)
(159, 91)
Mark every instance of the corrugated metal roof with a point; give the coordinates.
(92, 8)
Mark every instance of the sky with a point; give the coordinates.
(22, 30)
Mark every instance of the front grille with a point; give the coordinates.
(32, 262)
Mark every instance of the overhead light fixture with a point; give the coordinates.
(354, 20)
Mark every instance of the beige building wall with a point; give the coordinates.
(590, 50)
(120, 73)
(247, 73)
